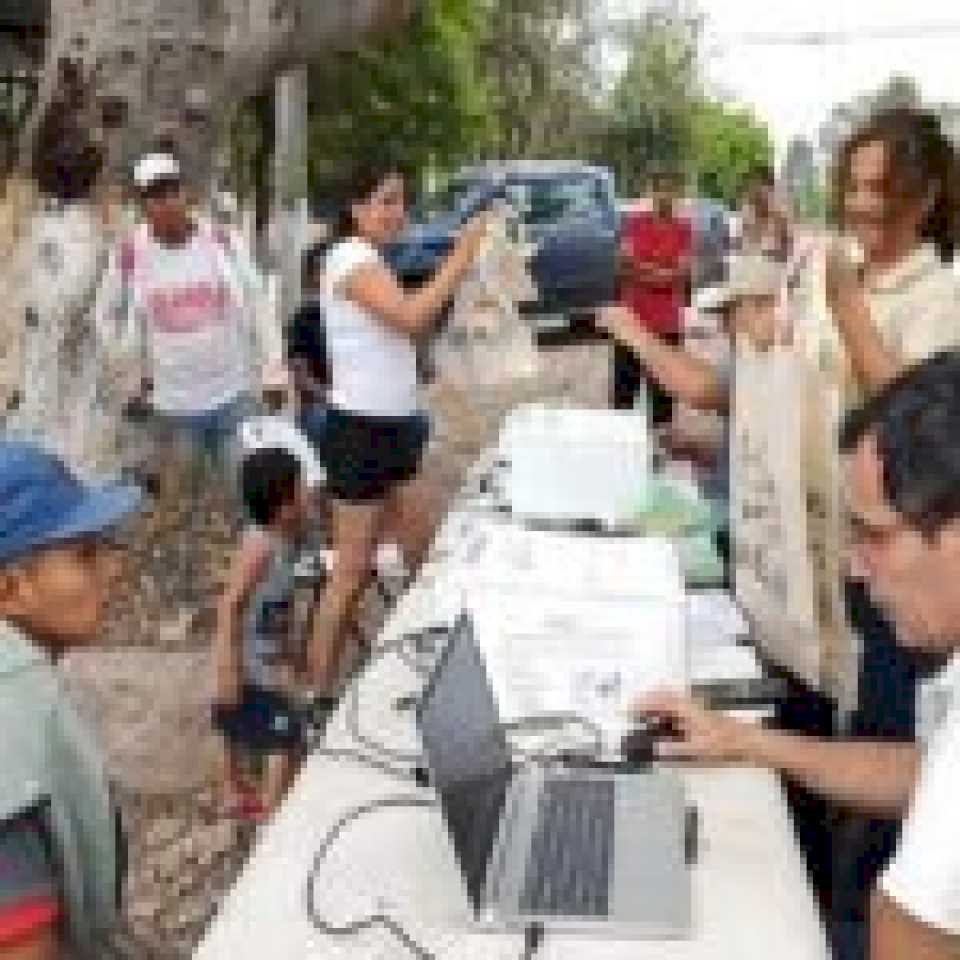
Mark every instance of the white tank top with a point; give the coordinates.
(373, 369)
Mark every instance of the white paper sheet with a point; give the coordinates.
(591, 658)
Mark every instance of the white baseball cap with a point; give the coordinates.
(750, 275)
(152, 167)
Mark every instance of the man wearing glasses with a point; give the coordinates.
(903, 453)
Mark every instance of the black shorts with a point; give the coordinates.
(367, 458)
(264, 720)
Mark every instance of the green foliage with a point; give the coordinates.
(728, 144)
(660, 119)
(417, 95)
(471, 80)
(538, 60)
(652, 105)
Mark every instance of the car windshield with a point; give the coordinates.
(543, 199)
(549, 199)
(454, 198)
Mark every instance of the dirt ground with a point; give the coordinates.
(147, 689)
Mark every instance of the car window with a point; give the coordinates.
(547, 200)
(457, 197)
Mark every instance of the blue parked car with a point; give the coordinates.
(568, 210)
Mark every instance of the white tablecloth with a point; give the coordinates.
(751, 896)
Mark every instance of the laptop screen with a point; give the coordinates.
(466, 752)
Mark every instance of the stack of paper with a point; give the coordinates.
(575, 464)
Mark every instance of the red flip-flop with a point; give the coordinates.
(246, 808)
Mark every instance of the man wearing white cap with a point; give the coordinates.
(183, 310)
(753, 284)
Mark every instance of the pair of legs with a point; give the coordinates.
(630, 375)
(264, 726)
(407, 515)
(193, 452)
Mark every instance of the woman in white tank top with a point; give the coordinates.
(376, 431)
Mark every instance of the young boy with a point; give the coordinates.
(256, 665)
(58, 826)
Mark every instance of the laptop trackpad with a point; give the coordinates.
(651, 880)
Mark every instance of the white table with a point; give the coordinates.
(751, 896)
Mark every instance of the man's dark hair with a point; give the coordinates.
(268, 480)
(915, 422)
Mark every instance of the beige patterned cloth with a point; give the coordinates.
(916, 309)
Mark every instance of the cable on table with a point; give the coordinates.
(396, 801)
(533, 934)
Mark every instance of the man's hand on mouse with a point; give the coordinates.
(701, 734)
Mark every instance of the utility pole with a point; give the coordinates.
(290, 204)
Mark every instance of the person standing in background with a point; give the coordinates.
(52, 274)
(656, 254)
(765, 226)
(376, 432)
(182, 303)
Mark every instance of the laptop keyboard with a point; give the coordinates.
(568, 871)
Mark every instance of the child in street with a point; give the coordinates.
(59, 837)
(257, 667)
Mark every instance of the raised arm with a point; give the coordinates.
(873, 362)
(690, 379)
(374, 286)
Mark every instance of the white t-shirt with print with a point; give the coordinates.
(373, 369)
(924, 877)
(196, 332)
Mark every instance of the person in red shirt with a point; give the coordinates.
(656, 251)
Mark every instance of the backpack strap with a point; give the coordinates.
(223, 238)
(128, 259)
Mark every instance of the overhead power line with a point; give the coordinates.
(819, 38)
(815, 38)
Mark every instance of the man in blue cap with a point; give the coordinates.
(58, 826)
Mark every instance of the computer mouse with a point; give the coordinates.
(639, 744)
(637, 747)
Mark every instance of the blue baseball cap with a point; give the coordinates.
(42, 503)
